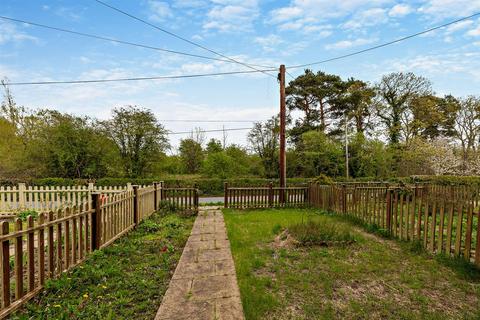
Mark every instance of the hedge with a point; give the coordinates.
(207, 186)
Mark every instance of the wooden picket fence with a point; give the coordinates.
(264, 197)
(46, 198)
(444, 219)
(42, 248)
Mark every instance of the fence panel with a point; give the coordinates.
(264, 197)
(183, 199)
(445, 219)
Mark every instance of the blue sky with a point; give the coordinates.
(255, 31)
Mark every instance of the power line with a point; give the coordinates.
(178, 37)
(386, 43)
(209, 121)
(93, 36)
(216, 130)
(136, 79)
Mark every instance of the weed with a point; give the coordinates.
(276, 229)
(23, 215)
(126, 280)
(320, 232)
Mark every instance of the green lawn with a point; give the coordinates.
(123, 281)
(372, 278)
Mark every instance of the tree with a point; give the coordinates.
(72, 147)
(467, 125)
(395, 93)
(321, 155)
(264, 140)
(357, 104)
(316, 95)
(11, 148)
(139, 138)
(191, 154)
(214, 146)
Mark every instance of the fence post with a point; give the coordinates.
(195, 200)
(155, 196)
(96, 221)
(389, 210)
(136, 206)
(21, 195)
(225, 194)
(344, 198)
(270, 194)
(162, 185)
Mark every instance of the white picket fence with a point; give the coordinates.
(45, 198)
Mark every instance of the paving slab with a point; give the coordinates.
(204, 285)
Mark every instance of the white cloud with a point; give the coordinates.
(459, 26)
(440, 9)
(367, 18)
(232, 16)
(10, 33)
(302, 13)
(159, 10)
(474, 32)
(399, 10)
(285, 14)
(269, 43)
(345, 44)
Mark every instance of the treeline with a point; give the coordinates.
(131, 144)
(393, 128)
(396, 127)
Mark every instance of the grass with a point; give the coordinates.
(320, 232)
(123, 281)
(372, 278)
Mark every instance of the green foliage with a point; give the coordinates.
(191, 155)
(125, 280)
(323, 180)
(213, 146)
(140, 139)
(321, 155)
(149, 226)
(23, 215)
(222, 165)
(321, 232)
(167, 206)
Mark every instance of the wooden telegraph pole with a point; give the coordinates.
(283, 158)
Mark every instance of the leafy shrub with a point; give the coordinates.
(324, 180)
(321, 232)
(150, 226)
(167, 206)
(23, 215)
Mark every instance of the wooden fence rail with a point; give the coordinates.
(41, 248)
(264, 197)
(444, 219)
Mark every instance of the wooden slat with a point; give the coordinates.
(41, 251)
(18, 261)
(31, 254)
(5, 266)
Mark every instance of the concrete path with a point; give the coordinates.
(204, 286)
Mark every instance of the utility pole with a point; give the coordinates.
(283, 159)
(346, 146)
